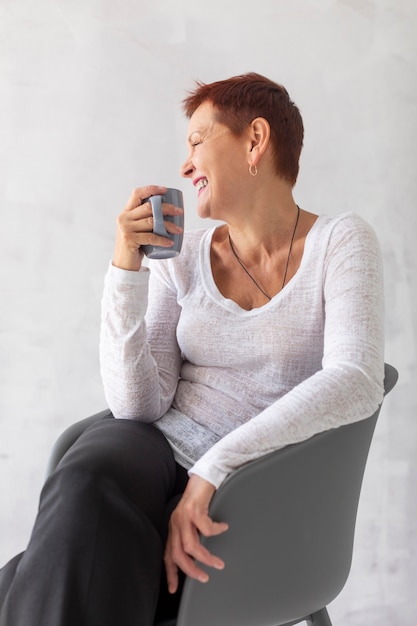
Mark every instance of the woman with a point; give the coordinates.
(264, 331)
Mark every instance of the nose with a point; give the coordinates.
(187, 168)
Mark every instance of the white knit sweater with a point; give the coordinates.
(227, 385)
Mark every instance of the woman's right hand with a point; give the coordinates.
(135, 226)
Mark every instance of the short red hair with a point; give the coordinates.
(241, 99)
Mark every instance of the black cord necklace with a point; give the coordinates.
(286, 265)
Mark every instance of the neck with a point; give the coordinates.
(243, 266)
(266, 225)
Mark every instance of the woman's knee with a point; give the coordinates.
(118, 445)
(132, 457)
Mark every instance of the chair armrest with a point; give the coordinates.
(391, 377)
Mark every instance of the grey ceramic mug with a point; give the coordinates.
(171, 196)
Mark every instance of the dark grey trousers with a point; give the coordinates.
(95, 557)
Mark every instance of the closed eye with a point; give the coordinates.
(194, 139)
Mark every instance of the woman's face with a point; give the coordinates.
(217, 164)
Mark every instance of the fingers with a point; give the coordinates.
(189, 519)
(208, 528)
(141, 193)
(189, 546)
(172, 574)
(135, 228)
(141, 218)
(183, 550)
(176, 558)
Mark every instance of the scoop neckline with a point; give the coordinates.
(215, 294)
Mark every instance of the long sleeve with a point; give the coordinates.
(139, 364)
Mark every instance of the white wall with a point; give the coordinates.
(90, 95)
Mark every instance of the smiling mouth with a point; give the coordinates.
(203, 182)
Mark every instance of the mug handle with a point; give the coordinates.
(158, 218)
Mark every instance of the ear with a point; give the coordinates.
(259, 134)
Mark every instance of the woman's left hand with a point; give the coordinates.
(183, 545)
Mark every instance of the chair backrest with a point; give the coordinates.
(292, 517)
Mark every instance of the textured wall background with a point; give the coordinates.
(90, 95)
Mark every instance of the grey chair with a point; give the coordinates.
(291, 517)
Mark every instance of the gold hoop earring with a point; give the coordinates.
(253, 170)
